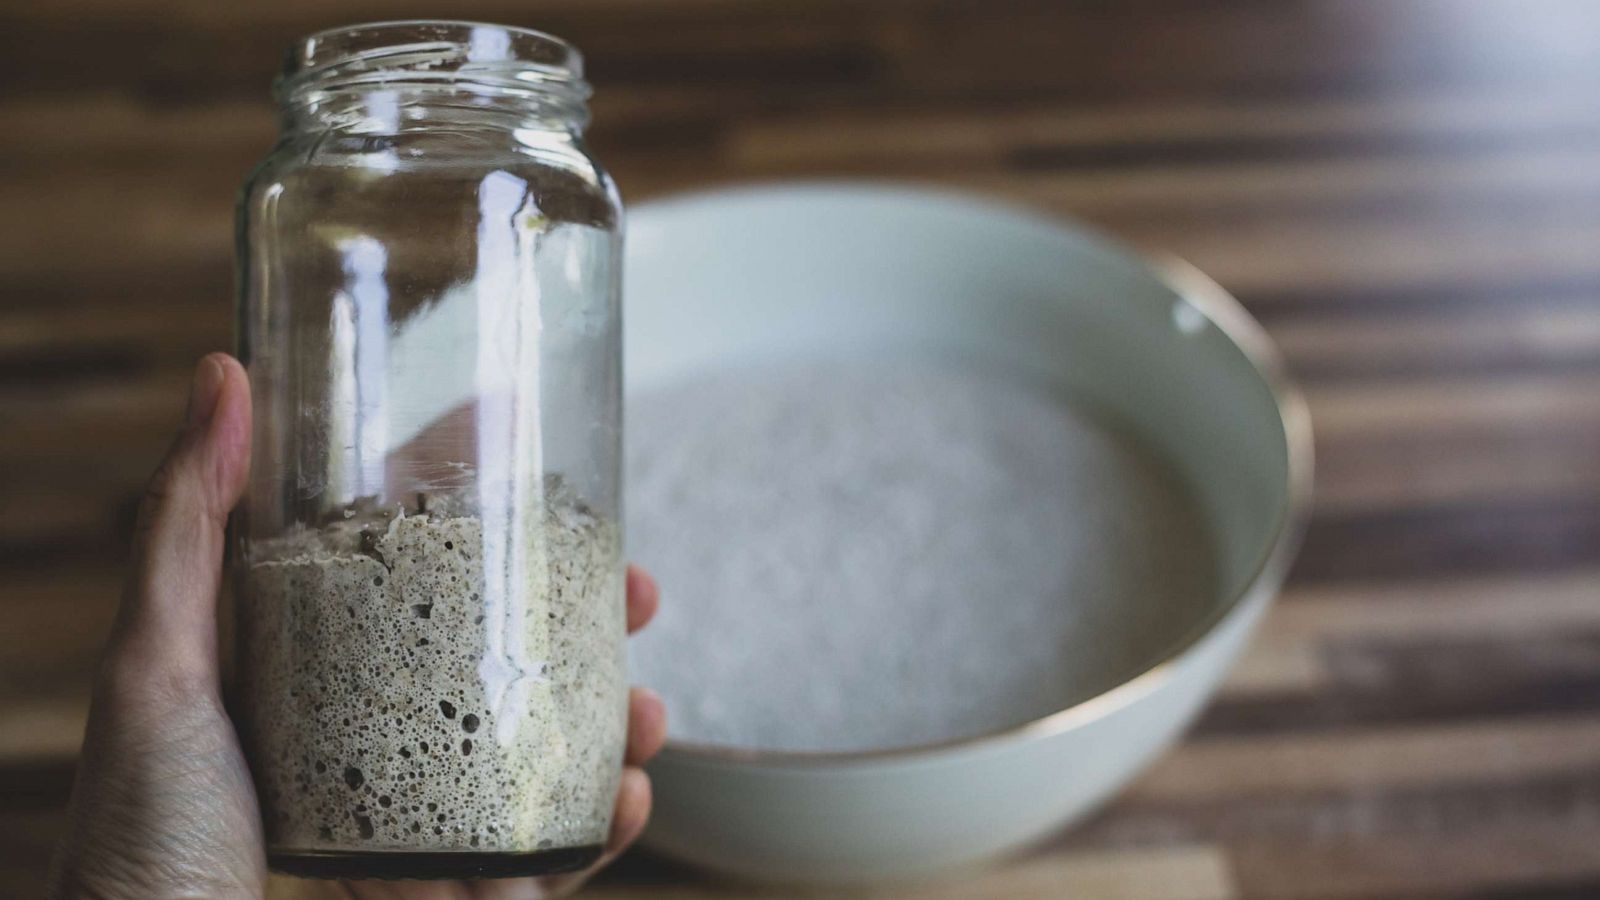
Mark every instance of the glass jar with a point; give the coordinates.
(430, 611)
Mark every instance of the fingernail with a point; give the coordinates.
(203, 394)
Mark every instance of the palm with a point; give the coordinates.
(195, 808)
(163, 805)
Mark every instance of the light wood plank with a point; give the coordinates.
(1286, 655)
(967, 135)
(49, 730)
(1407, 472)
(1424, 182)
(1160, 873)
(1297, 254)
(1269, 668)
(185, 328)
(1508, 606)
(1379, 760)
(1462, 406)
(115, 130)
(1533, 330)
(1170, 873)
(1429, 865)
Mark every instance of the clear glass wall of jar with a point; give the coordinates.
(429, 588)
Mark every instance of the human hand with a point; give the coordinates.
(163, 805)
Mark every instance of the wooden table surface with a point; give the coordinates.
(1405, 192)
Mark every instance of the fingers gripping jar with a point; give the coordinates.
(430, 608)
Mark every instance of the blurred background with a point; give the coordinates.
(1405, 192)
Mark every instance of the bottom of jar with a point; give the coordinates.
(397, 864)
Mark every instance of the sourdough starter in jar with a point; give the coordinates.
(382, 721)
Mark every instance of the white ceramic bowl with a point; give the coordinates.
(734, 276)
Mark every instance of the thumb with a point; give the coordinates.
(169, 604)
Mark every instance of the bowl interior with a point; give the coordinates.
(760, 274)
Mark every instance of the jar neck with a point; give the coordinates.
(394, 77)
(397, 110)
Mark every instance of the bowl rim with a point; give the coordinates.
(1211, 300)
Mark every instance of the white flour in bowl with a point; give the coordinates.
(862, 555)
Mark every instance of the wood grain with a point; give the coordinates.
(1406, 193)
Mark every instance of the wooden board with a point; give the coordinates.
(1407, 193)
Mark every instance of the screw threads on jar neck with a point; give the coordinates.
(390, 76)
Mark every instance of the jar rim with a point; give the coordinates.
(458, 55)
